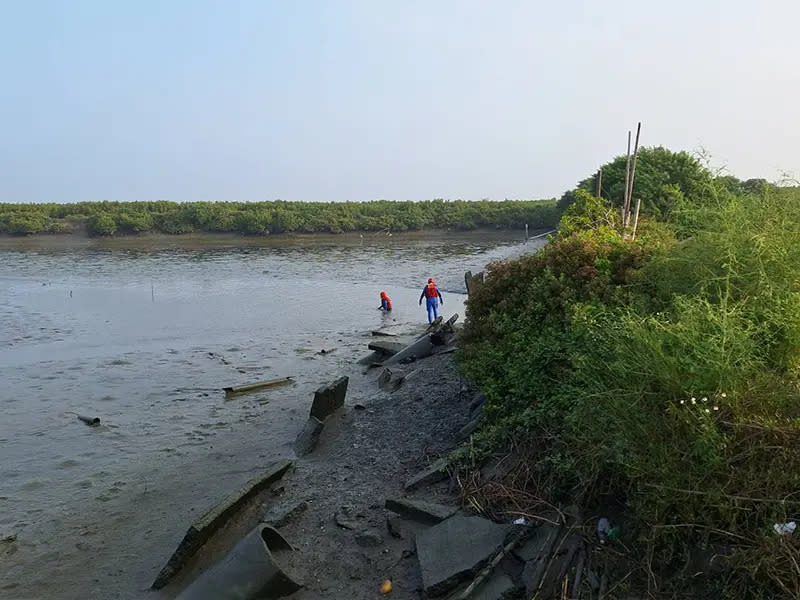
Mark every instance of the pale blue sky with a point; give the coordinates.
(367, 99)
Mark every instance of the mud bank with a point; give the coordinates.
(331, 505)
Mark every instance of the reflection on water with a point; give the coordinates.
(144, 339)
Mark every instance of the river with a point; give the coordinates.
(143, 334)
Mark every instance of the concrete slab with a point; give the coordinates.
(436, 472)
(454, 550)
(422, 512)
(308, 438)
(329, 398)
(386, 347)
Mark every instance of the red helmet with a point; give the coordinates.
(430, 280)
(383, 294)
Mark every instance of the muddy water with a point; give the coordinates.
(143, 335)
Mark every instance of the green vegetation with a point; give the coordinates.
(263, 218)
(656, 380)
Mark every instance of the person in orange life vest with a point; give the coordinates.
(433, 296)
(386, 302)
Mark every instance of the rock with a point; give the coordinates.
(404, 529)
(436, 472)
(280, 515)
(329, 398)
(422, 512)
(308, 438)
(346, 518)
(494, 587)
(369, 539)
(455, 549)
(360, 407)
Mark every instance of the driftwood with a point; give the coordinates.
(91, 421)
(259, 385)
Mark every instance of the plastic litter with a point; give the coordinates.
(606, 532)
(519, 521)
(785, 528)
(386, 586)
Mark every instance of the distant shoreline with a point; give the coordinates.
(80, 240)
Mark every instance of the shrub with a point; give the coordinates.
(101, 224)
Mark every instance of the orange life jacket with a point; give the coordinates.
(431, 291)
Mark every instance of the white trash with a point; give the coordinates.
(785, 528)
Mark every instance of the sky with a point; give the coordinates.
(334, 100)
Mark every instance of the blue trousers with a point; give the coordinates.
(433, 308)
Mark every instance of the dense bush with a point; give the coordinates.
(100, 224)
(661, 373)
(262, 218)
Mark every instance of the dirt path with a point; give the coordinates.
(365, 456)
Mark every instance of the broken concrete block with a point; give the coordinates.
(280, 515)
(308, 438)
(386, 348)
(436, 472)
(329, 398)
(455, 549)
(422, 512)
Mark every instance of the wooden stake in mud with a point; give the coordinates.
(633, 174)
(627, 179)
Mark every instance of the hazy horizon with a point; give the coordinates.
(356, 100)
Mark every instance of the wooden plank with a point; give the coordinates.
(259, 385)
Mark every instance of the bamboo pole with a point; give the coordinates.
(627, 179)
(636, 218)
(633, 174)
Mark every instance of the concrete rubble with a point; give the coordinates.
(455, 550)
(327, 400)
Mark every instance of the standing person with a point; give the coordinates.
(433, 297)
(386, 302)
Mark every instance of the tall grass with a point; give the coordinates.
(662, 373)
